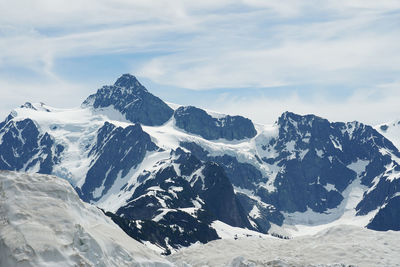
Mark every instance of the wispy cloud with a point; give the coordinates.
(368, 105)
(339, 50)
(56, 93)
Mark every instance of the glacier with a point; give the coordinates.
(43, 222)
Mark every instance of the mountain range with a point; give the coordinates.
(172, 175)
(43, 222)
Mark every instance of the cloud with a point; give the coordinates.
(368, 105)
(339, 51)
(56, 93)
(257, 40)
(318, 49)
(293, 63)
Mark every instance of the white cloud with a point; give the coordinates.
(344, 50)
(261, 40)
(371, 106)
(213, 44)
(56, 93)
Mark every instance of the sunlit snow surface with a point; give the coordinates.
(44, 223)
(347, 245)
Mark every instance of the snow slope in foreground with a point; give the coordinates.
(347, 245)
(44, 223)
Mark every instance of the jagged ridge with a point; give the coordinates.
(179, 176)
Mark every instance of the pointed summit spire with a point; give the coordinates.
(127, 80)
(132, 99)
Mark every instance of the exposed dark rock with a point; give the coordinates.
(197, 121)
(240, 174)
(28, 105)
(383, 190)
(213, 188)
(314, 156)
(384, 127)
(217, 193)
(142, 206)
(133, 100)
(117, 150)
(23, 147)
(176, 229)
(388, 217)
(189, 202)
(314, 153)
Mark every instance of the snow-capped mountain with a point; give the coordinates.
(132, 100)
(172, 176)
(44, 223)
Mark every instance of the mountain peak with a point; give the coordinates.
(288, 117)
(288, 114)
(28, 105)
(291, 117)
(128, 81)
(131, 99)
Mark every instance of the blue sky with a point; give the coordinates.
(338, 59)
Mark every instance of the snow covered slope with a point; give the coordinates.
(391, 131)
(337, 246)
(44, 223)
(170, 174)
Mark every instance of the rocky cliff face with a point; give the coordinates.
(186, 193)
(23, 147)
(117, 150)
(319, 160)
(133, 100)
(197, 121)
